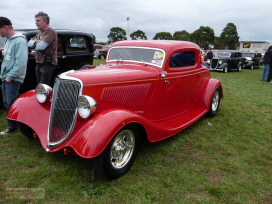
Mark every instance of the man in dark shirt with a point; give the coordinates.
(209, 54)
(269, 78)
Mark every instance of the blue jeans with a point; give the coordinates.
(10, 93)
(265, 72)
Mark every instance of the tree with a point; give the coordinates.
(163, 36)
(138, 35)
(181, 35)
(204, 37)
(229, 37)
(116, 34)
(216, 43)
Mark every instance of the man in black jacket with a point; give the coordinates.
(269, 78)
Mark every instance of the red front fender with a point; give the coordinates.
(26, 109)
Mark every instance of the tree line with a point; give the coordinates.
(204, 37)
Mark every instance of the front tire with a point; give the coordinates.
(226, 69)
(215, 102)
(239, 68)
(119, 155)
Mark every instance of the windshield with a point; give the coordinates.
(248, 55)
(222, 54)
(137, 54)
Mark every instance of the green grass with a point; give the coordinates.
(97, 62)
(225, 159)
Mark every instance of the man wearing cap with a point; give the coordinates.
(13, 68)
(45, 44)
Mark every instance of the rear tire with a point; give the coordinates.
(83, 65)
(215, 102)
(102, 56)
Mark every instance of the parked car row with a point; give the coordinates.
(233, 60)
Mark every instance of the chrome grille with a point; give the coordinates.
(63, 110)
(214, 63)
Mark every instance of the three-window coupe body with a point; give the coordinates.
(145, 90)
(225, 61)
(251, 60)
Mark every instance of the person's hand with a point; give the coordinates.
(8, 81)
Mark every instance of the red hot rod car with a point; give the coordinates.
(146, 89)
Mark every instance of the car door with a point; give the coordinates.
(177, 88)
(234, 60)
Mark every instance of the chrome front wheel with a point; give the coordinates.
(119, 155)
(122, 149)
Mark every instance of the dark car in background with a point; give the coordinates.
(251, 60)
(75, 49)
(225, 61)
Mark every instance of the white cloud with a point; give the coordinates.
(98, 17)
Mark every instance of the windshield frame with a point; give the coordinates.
(154, 61)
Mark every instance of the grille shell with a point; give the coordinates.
(63, 110)
(214, 63)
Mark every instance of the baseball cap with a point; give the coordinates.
(4, 21)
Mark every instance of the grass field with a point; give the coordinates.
(225, 159)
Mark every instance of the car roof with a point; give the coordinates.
(59, 31)
(162, 44)
(229, 51)
(251, 52)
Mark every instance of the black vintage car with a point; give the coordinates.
(75, 49)
(225, 61)
(251, 60)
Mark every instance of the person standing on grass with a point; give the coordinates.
(45, 44)
(266, 65)
(269, 78)
(13, 68)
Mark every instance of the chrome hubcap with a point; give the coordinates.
(215, 101)
(122, 149)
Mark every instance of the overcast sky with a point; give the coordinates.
(252, 18)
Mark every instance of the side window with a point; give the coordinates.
(182, 59)
(59, 46)
(76, 44)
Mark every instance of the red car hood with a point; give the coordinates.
(105, 74)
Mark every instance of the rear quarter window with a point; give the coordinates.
(76, 44)
(182, 59)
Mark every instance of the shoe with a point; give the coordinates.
(7, 131)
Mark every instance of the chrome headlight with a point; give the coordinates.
(220, 62)
(208, 61)
(43, 93)
(86, 106)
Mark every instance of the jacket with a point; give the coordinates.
(15, 56)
